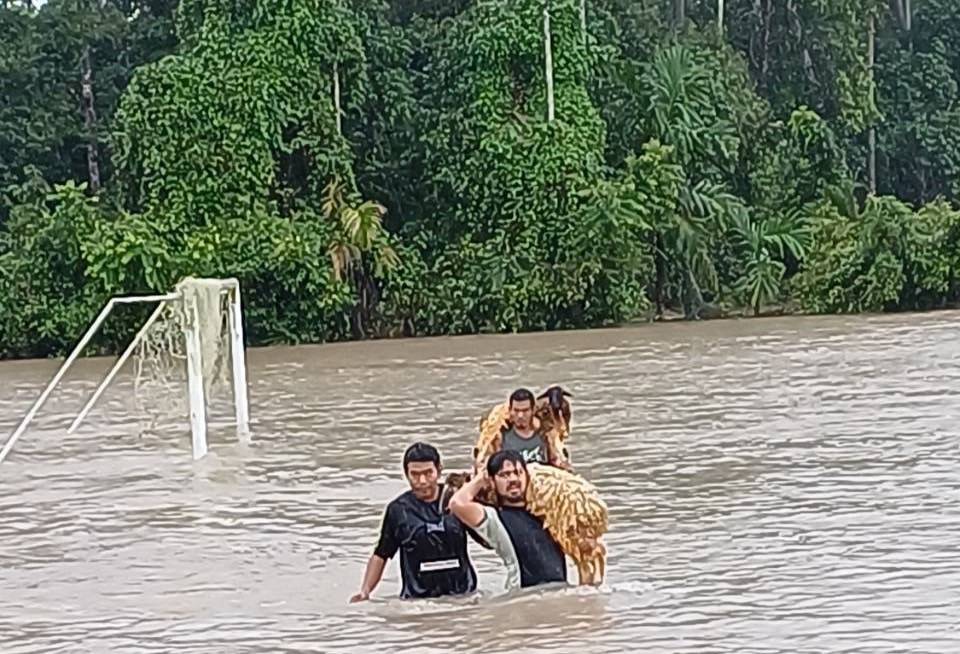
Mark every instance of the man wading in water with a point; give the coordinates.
(532, 557)
(522, 437)
(432, 544)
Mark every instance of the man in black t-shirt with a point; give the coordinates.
(530, 554)
(432, 543)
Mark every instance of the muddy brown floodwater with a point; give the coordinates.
(776, 486)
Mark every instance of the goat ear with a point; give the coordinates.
(566, 393)
(542, 395)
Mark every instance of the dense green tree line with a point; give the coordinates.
(440, 167)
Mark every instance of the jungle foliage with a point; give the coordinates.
(416, 167)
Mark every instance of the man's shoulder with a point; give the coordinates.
(491, 529)
(515, 517)
(513, 509)
(400, 501)
(491, 518)
(488, 513)
(518, 517)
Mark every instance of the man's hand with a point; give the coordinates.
(362, 596)
(563, 465)
(371, 577)
(478, 484)
(482, 479)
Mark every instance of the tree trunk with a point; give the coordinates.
(90, 120)
(336, 98)
(660, 274)
(903, 12)
(583, 20)
(692, 298)
(548, 63)
(896, 6)
(908, 24)
(872, 134)
(767, 19)
(358, 314)
(680, 13)
(720, 11)
(797, 27)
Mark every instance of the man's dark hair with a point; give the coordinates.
(495, 462)
(522, 395)
(421, 453)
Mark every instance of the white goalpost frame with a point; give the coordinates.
(198, 405)
(195, 390)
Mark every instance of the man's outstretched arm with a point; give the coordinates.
(371, 577)
(386, 547)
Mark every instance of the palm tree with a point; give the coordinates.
(679, 94)
(762, 240)
(359, 248)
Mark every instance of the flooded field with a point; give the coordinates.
(776, 486)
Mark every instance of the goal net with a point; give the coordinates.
(160, 358)
(187, 352)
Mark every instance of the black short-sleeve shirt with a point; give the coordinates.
(432, 546)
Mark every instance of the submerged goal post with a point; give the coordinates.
(192, 318)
